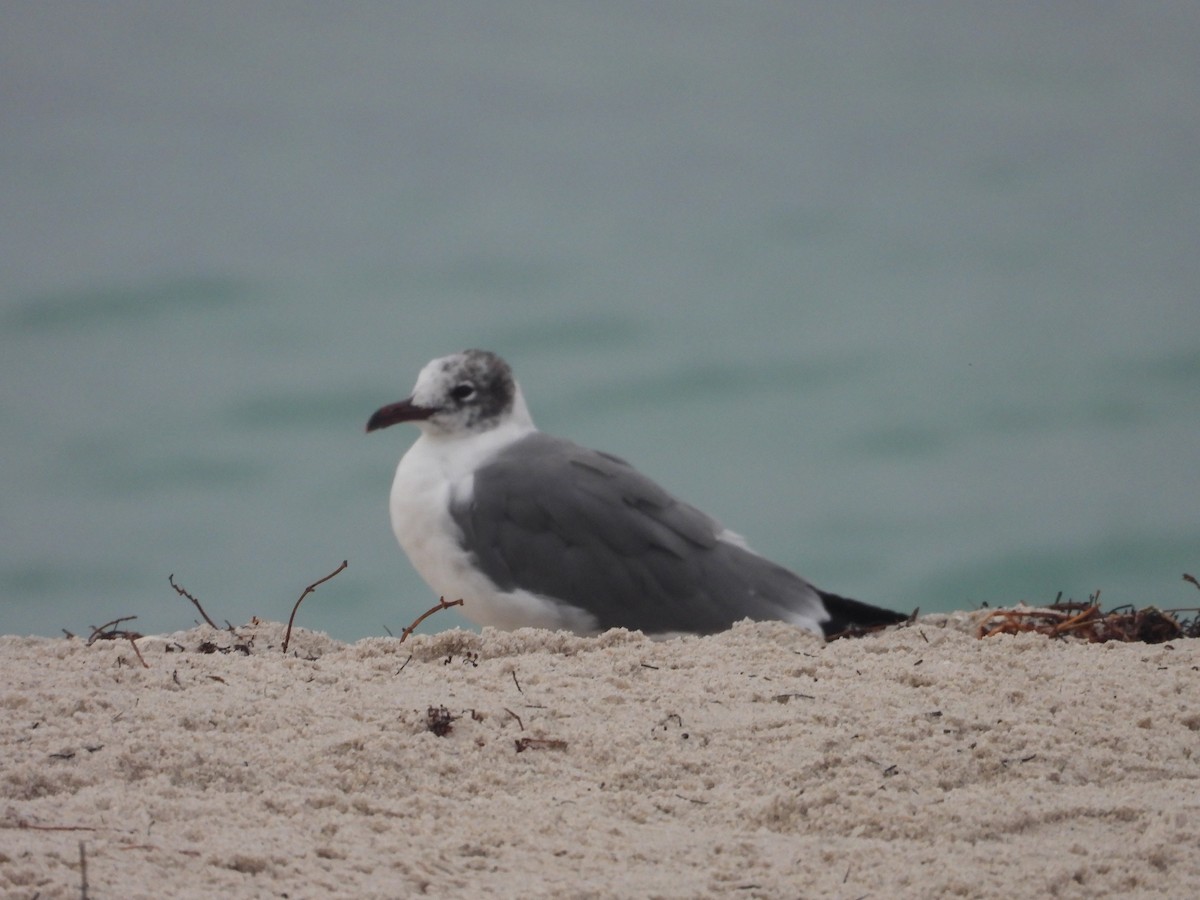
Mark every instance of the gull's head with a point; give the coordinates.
(460, 394)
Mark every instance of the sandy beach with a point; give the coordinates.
(760, 762)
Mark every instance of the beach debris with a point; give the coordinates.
(520, 724)
(212, 647)
(308, 590)
(109, 632)
(442, 603)
(1087, 621)
(532, 743)
(182, 592)
(83, 879)
(439, 720)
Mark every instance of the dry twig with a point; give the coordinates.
(109, 632)
(308, 590)
(520, 724)
(182, 592)
(442, 604)
(141, 659)
(21, 823)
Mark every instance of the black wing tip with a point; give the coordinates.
(851, 617)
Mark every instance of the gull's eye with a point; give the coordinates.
(463, 392)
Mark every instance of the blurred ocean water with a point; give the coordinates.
(905, 294)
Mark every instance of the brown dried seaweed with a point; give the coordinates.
(1087, 621)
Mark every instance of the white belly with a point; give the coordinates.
(429, 477)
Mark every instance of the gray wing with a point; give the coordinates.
(559, 520)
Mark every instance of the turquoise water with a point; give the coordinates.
(906, 294)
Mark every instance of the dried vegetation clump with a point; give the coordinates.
(1087, 621)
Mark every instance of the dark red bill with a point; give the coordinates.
(404, 411)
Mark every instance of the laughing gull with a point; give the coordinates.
(535, 531)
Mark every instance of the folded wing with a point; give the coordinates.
(559, 520)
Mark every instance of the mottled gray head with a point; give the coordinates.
(463, 393)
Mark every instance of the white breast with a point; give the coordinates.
(433, 473)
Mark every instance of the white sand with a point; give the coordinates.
(757, 763)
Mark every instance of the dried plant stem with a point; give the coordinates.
(141, 659)
(442, 604)
(308, 590)
(520, 724)
(182, 592)
(108, 630)
(21, 823)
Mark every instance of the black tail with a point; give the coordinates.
(848, 616)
